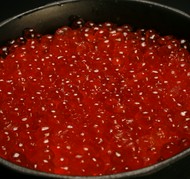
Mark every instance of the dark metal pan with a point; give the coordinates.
(138, 13)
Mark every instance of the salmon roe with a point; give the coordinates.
(94, 99)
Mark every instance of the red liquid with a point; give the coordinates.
(94, 100)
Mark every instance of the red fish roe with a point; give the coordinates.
(96, 99)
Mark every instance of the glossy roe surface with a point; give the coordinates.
(94, 99)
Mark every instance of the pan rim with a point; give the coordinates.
(62, 2)
(131, 174)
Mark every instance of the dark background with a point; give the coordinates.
(180, 170)
(11, 8)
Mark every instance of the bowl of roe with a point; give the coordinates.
(95, 89)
